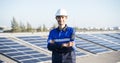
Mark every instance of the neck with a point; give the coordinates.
(61, 26)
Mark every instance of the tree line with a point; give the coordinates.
(20, 27)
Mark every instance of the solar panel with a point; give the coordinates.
(2, 38)
(20, 53)
(39, 55)
(22, 58)
(31, 52)
(108, 38)
(90, 47)
(101, 42)
(15, 54)
(3, 47)
(113, 35)
(45, 58)
(32, 37)
(7, 51)
(24, 49)
(78, 53)
(16, 46)
(31, 61)
(40, 42)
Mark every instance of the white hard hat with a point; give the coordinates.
(61, 12)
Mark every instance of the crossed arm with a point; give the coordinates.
(69, 44)
(54, 47)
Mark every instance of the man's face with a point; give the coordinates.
(61, 19)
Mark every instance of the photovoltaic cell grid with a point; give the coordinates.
(90, 47)
(108, 38)
(100, 42)
(42, 42)
(21, 53)
(36, 40)
(117, 36)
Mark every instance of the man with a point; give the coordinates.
(61, 40)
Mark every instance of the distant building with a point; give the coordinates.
(1, 29)
(4, 29)
(116, 28)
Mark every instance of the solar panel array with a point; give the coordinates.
(114, 35)
(42, 42)
(92, 43)
(90, 47)
(109, 37)
(21, 53)
(100, 42)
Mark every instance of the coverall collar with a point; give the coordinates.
(64, 29)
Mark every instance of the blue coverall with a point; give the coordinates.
(62, 54)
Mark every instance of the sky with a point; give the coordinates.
(81, 13)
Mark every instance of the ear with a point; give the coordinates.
(56, 18)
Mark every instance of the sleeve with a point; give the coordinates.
(72, 35)
(50, 46)
(72, 39)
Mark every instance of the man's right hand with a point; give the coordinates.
(70, 44)
(65, 44)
